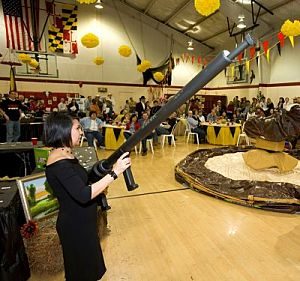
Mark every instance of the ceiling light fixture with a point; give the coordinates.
(243, 2)
(98, 5)
(190, 46)
(241, 24)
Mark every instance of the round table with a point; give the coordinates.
(222, 134)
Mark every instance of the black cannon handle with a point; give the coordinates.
(198, 82)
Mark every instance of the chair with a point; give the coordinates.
(169, 136)
(135, 147)
(149, 142)
(83, 137)
(243, 135)
(190, 133)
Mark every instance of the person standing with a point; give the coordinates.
(11, 109)
(62, 106)
(140, 107)
(73, 107)
(77, 217)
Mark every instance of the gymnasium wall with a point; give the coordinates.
(117, 24)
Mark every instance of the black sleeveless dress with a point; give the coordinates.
(77, 221)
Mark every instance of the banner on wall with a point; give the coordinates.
(62, 29)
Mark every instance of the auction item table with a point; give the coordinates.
(28, 130)
(17, 159)
(222, 134)
(13, 259)
(114, 136)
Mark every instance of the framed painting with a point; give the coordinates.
(37, 197)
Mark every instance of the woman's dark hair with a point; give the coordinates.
(131, 117)
(57, 130)
(92, 112)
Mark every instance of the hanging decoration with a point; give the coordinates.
(86, 1)
(34, 63)
(248, 66)
(240, 57)
(98, 60)
(281, 38)
(140, 68)
(146, 64)
(158, 76)
(90, 40)
(291, 29)
(25, 58)
(207, 7)
(125, 51)
(252, 52)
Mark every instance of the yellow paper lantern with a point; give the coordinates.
(34, 63)
(90, 40)
(124, 51)
(146, 64)
(290, 28)
(206, 7)
(86, 1)
(140, 68)
(98, 60)
(158, 76)
(25, 58)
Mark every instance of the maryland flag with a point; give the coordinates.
(62, 30)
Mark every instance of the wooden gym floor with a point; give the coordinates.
(163, 231)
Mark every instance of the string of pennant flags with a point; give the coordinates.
(254, 53)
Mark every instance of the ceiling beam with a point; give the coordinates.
(149, 6)
(177, 11)
(167, 25)
(199, 22)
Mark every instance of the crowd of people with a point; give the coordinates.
(134, 115)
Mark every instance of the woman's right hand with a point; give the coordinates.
(122, 164)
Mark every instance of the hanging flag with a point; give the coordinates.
(292, 40)
(240, 57)
(252, 52)
(55, 39)
(199, 60)
(193, 59)
(248, 66)
(281, 38)
(12, 84)
(266, 46)
(268, 55)
(17, 19)
(232, 71)
(62, 30)
(279, 48)
(182, 57)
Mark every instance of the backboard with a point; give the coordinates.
(47, 65)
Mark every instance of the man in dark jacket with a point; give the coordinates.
(140, 107)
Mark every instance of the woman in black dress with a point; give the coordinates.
(77, 218)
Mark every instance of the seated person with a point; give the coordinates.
(223, 117)
(198, 115)
(143, 122)
(131, 127)
(194, 125)
(91, 126)
(212, 116)
(125, 119)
